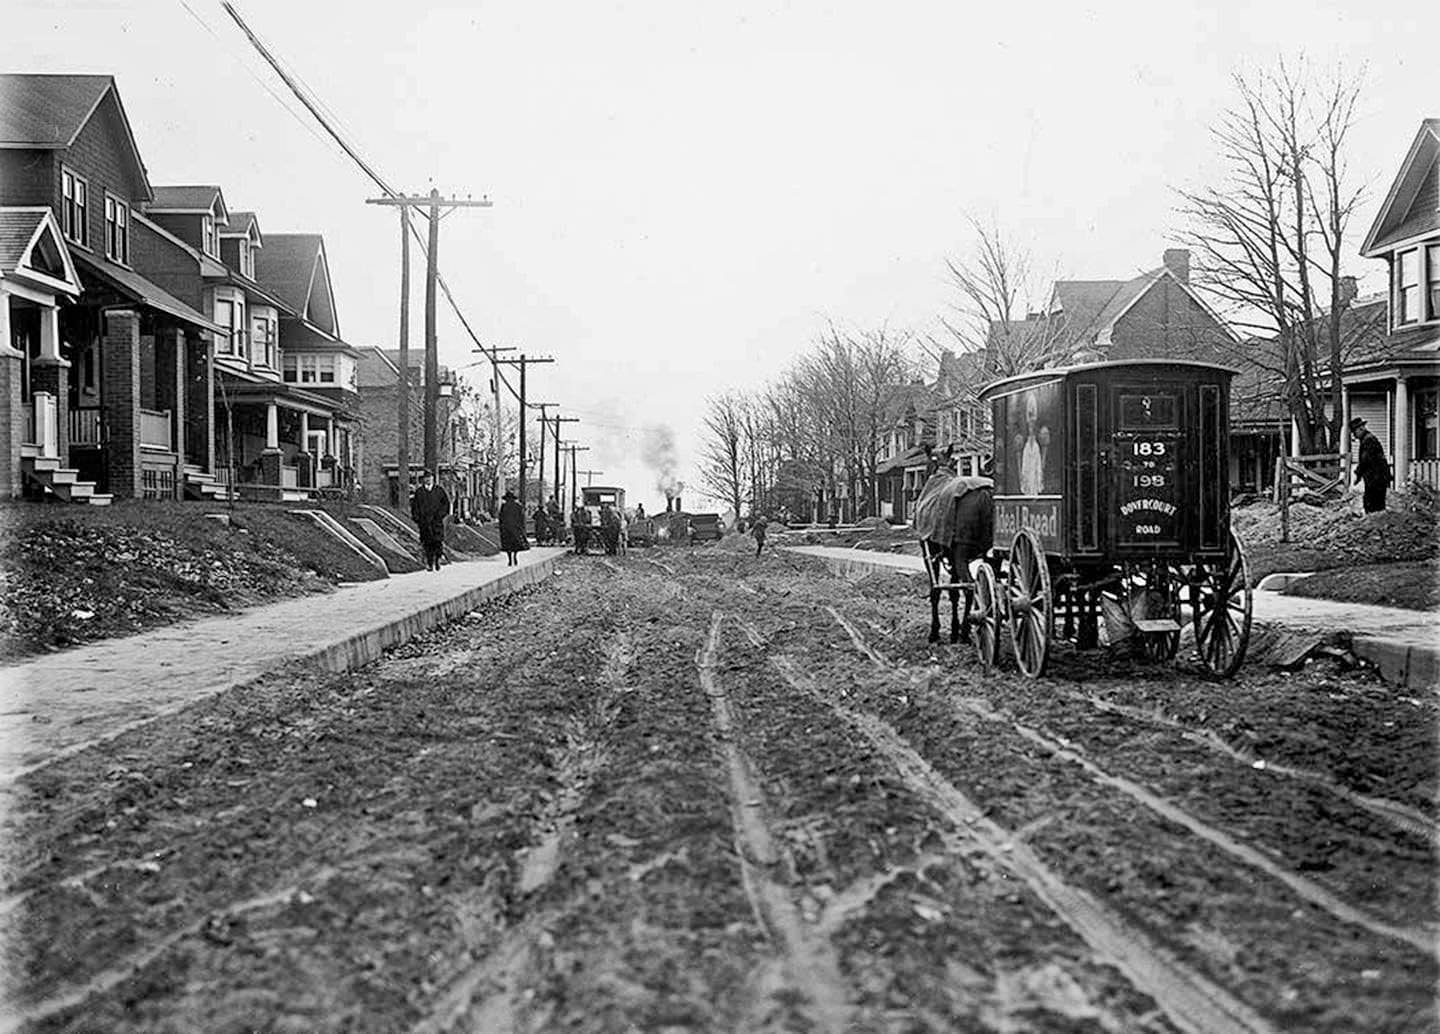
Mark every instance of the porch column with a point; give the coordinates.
(304, 462)
(1346, 466)
(271, 458)
(1401, 454)
(198, 429)
(120, 390)
(12, 426)
(170, 394)
(50, 373)
(1294, 437)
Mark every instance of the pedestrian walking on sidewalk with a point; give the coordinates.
(512, 529)
(429, 507)
(758, 530)
(580, 527)
(1372, 468)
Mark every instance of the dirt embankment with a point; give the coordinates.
(697, 791)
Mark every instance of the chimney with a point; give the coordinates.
(1177, 260)
(1348, 290)
(678, 507)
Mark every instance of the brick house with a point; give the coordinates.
(284, 393)
(115, 378)
(379, 385)
(1396, 386)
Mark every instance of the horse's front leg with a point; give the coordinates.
(958, 632)
(934, 614)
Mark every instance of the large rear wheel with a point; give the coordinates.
(1222, 604)
(986, 618)
(1030, 604)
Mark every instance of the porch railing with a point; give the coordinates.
(85, 425)
(1426, 471)
(289, 476)
(155, 429)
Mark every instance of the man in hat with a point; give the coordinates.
(429, 507)
(1372, 468)
(512, 529)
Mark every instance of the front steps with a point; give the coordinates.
(45, 475)
(203, 486)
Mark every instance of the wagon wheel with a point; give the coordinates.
(987, 617)
(1222, 603)
(1031, 605)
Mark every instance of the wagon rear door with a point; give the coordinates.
(1149, 467)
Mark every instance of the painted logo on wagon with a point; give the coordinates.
(1041, 517)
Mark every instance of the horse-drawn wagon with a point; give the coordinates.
(1111, 503)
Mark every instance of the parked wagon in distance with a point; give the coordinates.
(1112, 498)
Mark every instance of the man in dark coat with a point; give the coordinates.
(512, 529)
(429, 507)
(1371, 468)
(542, 526)
(758, 528)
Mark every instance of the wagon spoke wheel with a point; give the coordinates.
(987, 617)
(1031, 605)
(1222, 612)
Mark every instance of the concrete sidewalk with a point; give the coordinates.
(62, 703)
(1403, 644)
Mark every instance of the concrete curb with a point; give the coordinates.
(366, 645)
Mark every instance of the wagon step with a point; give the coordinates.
(955, 585)
(1157, 625)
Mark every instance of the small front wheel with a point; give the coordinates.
(987, 617)
(1222, 611)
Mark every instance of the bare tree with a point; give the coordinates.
(1269, 240)
(999, 308)
(722, 471)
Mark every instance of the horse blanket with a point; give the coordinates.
(935, 509)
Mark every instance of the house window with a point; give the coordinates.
(1432, 279)
(1407, 273)
(75, 213)
(263, 338)
(309, 369)
(117, 230)
(1427, 424)
(247, 269)
(231, 315)
(207, 232)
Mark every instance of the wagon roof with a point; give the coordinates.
(1057, 373)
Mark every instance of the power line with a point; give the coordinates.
(313, 106)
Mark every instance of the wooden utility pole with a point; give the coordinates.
(544, 431)
(574, 478)
(590, 476)
(559, 492)
(402, 442)
(522, 362)
(436, 208)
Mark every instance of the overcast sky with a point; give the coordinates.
(685, 193)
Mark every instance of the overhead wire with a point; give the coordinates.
(313, 105)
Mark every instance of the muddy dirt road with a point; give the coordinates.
(693, 791)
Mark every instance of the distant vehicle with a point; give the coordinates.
(706, 527)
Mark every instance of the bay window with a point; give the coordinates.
(264, 339)
(230, 314)
(309, 369)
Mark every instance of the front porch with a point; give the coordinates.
(276, 442)
(1400, 403)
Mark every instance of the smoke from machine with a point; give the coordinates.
(657, 451)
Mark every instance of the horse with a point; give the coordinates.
(955, 518)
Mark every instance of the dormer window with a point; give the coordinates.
(117, 230)
(1432, 279)
(207, 236)
(247, 259)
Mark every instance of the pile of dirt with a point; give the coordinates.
(72, 575)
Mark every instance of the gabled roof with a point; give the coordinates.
(47, 112)
(207, 266)
(1412, 207)
(189, 200)
(293, 267)
(244, 224)
(32, 247)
